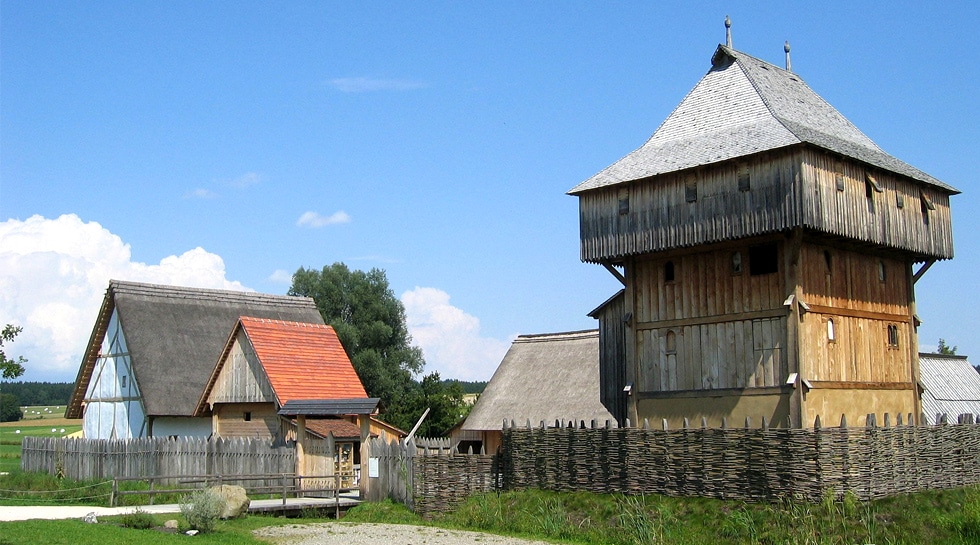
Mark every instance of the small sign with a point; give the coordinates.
(373, 467)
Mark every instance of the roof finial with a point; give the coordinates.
(789, 65)
(728, 31)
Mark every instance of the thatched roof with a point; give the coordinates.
(175, 336)
(744, 106)
(951, 386)
(543, 378)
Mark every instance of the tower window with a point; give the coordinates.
(882, 274)
(624, 202)
(763, 259)
(671, 343)
(744, 183)
(827, 259)
(247, 416)
(691, 191)
(839, 175)
(893, 336)
(669, 271)
(831, 331)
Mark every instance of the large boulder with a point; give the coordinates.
(236, 500)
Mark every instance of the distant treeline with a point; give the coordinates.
(39, 393)
(468, 387)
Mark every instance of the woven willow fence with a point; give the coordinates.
(751, 464)
(103, 459)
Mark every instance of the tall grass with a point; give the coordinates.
(30, 488)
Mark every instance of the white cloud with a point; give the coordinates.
(246, 180)
(200, 193)
(281, 276)
(53, 276)
(449, 337)
(313, 219)
(367, 85)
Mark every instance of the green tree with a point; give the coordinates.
(945, 349)
(11, 368)
(444, 399)
(370, 322)
(10, 408)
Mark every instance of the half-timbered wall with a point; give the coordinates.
(113, 406)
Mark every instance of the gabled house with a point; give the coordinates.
(153, 349)
(950, 386)
(266, 364)
(768, 251)
(542, 378)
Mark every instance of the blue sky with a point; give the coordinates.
(226, 144)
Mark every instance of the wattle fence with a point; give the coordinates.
(750, 464)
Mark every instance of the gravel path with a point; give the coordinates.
(352, 533)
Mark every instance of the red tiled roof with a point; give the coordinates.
(303, 361)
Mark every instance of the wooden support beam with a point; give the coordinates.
(612, 270)
(922, 270)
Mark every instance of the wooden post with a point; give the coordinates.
(365, 486)
(913, 348)
(792, 253)
(300, 445)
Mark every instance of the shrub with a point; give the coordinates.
(138, 519)
(202, 509)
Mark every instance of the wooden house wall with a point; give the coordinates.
(612, 358)
(242, 379)
(660, 216)
(229, 420)
(796, 187)
(849, 289)
(879, 219)
(728, 326)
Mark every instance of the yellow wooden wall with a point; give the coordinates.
(229, 420)
(862, 305)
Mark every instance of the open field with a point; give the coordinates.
(12, 435)
(43, 412)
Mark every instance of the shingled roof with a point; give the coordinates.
(951, 386)
(744, 106)
(175, 335)
(543, 378)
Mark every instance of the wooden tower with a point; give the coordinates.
(766, 247)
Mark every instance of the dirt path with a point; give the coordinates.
(352, 533)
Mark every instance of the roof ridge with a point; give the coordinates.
(533, 337)
(278, 321)
(210, 294)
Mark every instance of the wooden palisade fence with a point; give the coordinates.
(87, 459)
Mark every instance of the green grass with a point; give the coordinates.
(950, 517)
(10, 440)
(43, 412)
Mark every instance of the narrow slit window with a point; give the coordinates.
(624, 202)
(828, 260)
(839, 175)
(669, 271)
(671, 343)
(122, 381)
(691, 191)
(927, 206)
(744, 182)
(831, 331)
(882, 272)
(247, 416)
(893, 336)
(737, 263)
